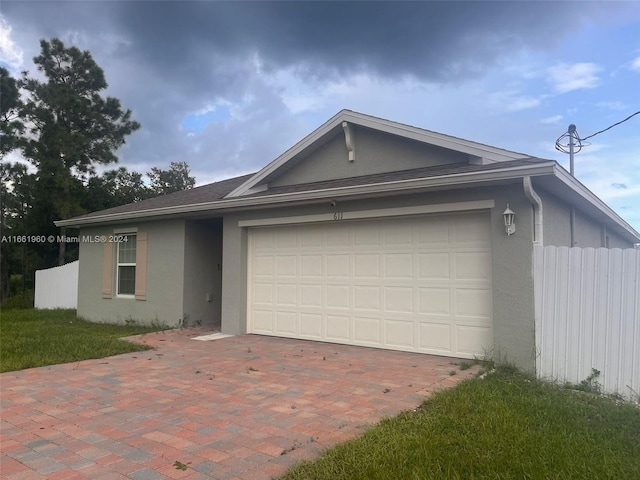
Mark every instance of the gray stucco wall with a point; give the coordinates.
(165, 277)
(375, 152)
(202, 272)
(587, 231)
(513, 306)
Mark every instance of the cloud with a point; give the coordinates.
(434, 41)
(552, 120)
(568, 77)
(635, 64)
(512, 101)
(617, 105)
(10, 54)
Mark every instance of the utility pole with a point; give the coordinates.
(572, 132)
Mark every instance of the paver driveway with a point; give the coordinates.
(243, 407)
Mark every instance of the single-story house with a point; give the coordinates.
(366, 232)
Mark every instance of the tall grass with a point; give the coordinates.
(506, 426)
(34, 338)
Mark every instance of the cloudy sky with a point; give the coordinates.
(228, 86)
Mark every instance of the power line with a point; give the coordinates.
(610, 127)
(564, 140)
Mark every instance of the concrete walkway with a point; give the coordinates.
(245, 407)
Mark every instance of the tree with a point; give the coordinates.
(70, 127)
(115, 188)
(11, 128)
(175, 179)
(16, 187)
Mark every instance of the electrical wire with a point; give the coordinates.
(578, 142)
(610, 127)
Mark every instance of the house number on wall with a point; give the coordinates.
(338, 216)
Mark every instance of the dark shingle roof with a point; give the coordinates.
(202, 194)
(217, 191)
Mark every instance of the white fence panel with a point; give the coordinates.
(57, 287)
(587, 304)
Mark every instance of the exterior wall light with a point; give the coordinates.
(509, 221)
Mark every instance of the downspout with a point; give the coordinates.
(536, 202)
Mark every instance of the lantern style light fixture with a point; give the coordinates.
(509, 221)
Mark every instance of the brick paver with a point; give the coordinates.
(245, 407)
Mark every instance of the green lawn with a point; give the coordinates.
(34, 338)
(505, 426)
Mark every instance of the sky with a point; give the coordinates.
(228, 86)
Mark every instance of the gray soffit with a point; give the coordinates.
(210, 199)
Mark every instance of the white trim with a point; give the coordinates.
(400, 186)
(125, 264)
(394, 128)
(575, 185)
(377, 213)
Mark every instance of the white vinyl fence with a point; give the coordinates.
(587, 304)
(57, 287)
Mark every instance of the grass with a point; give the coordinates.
(504, 426)
(35, 338)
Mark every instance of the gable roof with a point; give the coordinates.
(335, 124)
(487, 165)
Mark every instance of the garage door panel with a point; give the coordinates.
(470, 338)
(419, 284)
(398, 299)
(338, 265)
(399, 234)
(311, 326)
(470, 229)
(366, 298)
(311, 265)
(434, 301)
(436, 266)
(287, 294)
(262, 321)
(286, 323)
(286, 266)
(311, 295)
(473, 302)
(263, 293)
(435, 232)
(263, 266)
(473, 266)
(338, 328)
(399, 265)
(367, 235)
(336, 236)
(367, 330)
(338, 296)
(435, 337)
(310, 236)
(367, 266)
(263, 240)
(287, 238)
(399, 333)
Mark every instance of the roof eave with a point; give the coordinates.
(230, 204)
(576, 186)
(386, 126)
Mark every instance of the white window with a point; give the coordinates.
(126, 266)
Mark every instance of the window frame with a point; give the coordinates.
(131, 237)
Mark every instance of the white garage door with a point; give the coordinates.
(419, 284)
